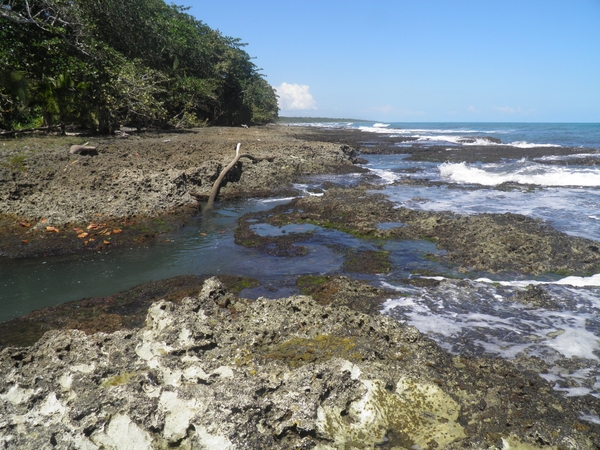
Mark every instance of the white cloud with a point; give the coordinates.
(295, 97)
(511, 110)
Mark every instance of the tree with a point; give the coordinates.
(102, 63)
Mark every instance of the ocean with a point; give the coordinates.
(560, 185)
(476, 315)
(522, 135)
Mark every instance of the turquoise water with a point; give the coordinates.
(583, 135)
(478, 317)
(205, 246)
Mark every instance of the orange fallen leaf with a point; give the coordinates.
(82, 235)
(86, 242)
(25, 241)
(106, 242)
(77, 230)
(202, 234)
(56, 230)
(92, 239)
(117, 231)
(167, 240)
(43, 220)
(24, 224)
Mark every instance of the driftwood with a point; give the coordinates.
(217, 183)
(84, 149)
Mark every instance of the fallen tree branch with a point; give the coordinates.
(217, 183)
(84, 149)
(215, 188)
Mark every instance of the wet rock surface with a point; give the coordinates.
(218, 371)
(343, 291)
(485, 242)
(139, 179)
(124, 310)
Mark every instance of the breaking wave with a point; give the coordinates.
(521, 173)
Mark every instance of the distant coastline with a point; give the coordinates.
(317, 119)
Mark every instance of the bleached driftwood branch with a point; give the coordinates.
(215, 188)
(217, 183)
(82, 149)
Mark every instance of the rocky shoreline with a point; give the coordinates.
(210, 369)
(53, 202)
(221, 372)
(484, 242)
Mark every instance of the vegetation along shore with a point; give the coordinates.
(304, 309)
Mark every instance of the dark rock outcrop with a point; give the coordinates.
(483, 242)
(220, 372)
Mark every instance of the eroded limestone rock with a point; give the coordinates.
(284, 373)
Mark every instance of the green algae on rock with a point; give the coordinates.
(484, 242)
(198, 375)
(414, 415)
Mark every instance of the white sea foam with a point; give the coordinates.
(373, 129)
(387, 176)
(567, 157)
(575, 341)
(523, 144)
(485, 319)
(495, 174)
(591, 281)
(433, 132)
(436, 139)
(456, 140)
(448, 136)
(590, 417)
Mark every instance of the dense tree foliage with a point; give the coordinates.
(103, 63)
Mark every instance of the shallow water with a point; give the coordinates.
(479, 317)
(572, 209)
(482, 318)
(204, 247)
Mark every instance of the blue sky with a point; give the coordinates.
(422, 60)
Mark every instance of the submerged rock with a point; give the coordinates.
(221, 372)
(483, 242)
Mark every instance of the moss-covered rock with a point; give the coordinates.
(279, 374)
(484, 242)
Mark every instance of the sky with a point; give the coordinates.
(422, 60)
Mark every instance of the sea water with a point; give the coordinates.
(482, 316)
(478, 316)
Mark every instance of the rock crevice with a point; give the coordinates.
(221, 372)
